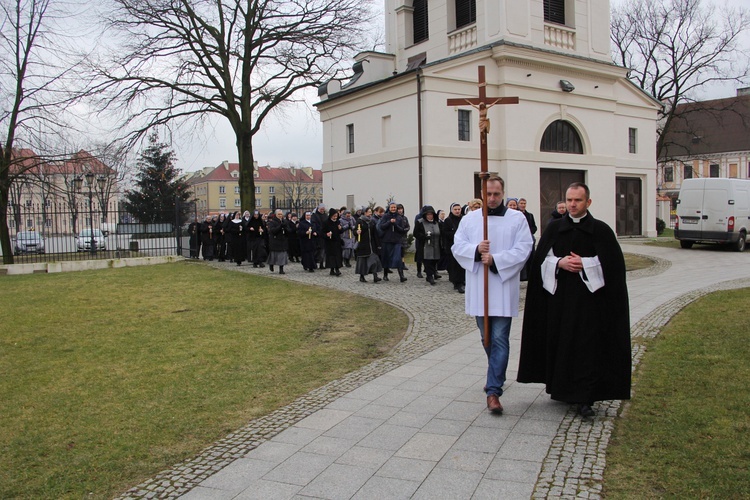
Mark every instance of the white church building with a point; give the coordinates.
(389, 133)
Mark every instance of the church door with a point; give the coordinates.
(629, 205)
(552, 187)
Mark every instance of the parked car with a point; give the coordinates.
(85, 237)
(713, 210)
(29, 242)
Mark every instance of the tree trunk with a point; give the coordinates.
(4, 231)
(247, 177)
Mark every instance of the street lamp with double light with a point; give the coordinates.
(101, 182)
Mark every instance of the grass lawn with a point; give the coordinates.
(685, 434)
(108, 377)
(634, 262)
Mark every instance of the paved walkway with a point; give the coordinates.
(414, 424)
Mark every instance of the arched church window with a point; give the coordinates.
(561, 137)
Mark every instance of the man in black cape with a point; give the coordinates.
(576, 326)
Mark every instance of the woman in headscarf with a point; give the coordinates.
(456, 273)
(307, 238)
(255, 227)
(235, 231)
(332, 238)
(277, 241)
(291, 223)
(392, 227)
(418, 243)
(512, 203)
(195, 239)
(222, 238)
(208, 238)
(428, 230)
(368, 247)
(348, 237)
(405, 239)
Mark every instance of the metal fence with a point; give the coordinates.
(63, 232)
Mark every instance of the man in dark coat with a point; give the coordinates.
(576, 327)
(532, 227)
(318, 219)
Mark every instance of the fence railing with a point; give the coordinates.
(60, 232)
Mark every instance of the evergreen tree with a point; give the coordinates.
(158, 188)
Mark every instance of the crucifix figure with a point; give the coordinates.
(482, 104)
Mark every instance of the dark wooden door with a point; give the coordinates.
(552, 187)
(629, 206)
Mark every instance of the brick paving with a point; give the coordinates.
(413, 424)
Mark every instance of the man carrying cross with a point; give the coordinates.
(504, 251)
(493, 247)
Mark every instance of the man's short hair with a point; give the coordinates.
(497, 178)
(521, 199)
(578, 185)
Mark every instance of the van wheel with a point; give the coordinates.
(686, 244)
(740, 245)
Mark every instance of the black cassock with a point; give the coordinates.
(575, 341)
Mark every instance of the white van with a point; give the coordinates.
(713, 210)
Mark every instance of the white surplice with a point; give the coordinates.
(510, 246)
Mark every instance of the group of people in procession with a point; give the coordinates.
(375, 238)
(576, 327)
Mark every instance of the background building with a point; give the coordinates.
(291, 188)
(43, 196)
(707, 139)
(388, 131)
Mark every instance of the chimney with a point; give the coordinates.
(225, 163)
(743, 91)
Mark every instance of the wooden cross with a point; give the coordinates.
(482, 104)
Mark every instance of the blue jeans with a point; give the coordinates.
(497, 353)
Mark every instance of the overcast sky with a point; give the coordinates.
(295, 134)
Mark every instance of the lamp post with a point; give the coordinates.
(101, 181)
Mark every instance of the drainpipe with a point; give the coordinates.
(419, 137)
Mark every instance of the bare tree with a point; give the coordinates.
(675, 47)
(298, 188)
(35, 90)
(183, 60)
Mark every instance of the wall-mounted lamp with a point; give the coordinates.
(566, 86)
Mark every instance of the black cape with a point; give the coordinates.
(577, 342)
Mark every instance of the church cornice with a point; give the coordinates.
(503, 51)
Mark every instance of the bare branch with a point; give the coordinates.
(179, 60)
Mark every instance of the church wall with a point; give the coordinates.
(602, 107)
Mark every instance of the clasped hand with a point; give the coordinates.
(571, 263)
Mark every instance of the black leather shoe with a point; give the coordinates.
(362, 278)
(420, 276)
(585, 410)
